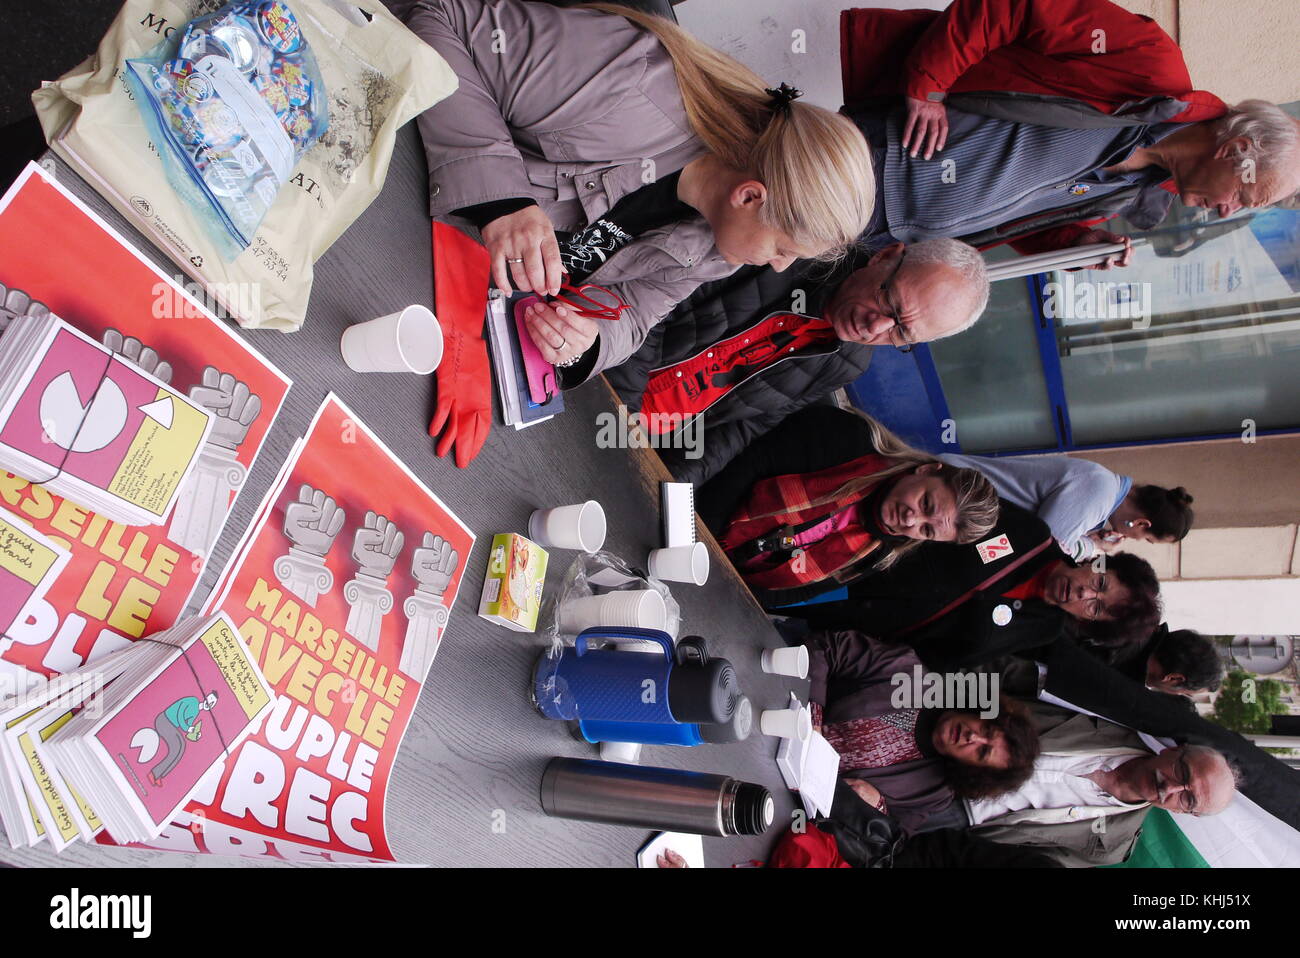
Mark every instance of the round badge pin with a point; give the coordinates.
(239, 40)
(291, 75)
(272, 92)
(220, 125)
(192, 86)
(1001, 614)
(297, 123)
(276, 22)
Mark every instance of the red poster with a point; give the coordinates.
(342, 589)
(123, 582)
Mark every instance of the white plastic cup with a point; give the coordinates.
(626, 753)
(580, 526)
(681, 564)
(638, 608)
(786, 723)
(409, 341)
(792, 662)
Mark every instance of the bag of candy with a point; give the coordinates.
(232, 102)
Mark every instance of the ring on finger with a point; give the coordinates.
(520, 260)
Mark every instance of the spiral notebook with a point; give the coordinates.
(679, 513)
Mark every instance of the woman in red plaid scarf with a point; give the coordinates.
(830, 496)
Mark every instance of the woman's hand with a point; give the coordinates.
(1106, 236)
(559, 332)
(929, 121)
(1104, 543)
(527, 238)
(670, 859)
(866, 791)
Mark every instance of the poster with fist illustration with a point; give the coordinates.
(342, 590)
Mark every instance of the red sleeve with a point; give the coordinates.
(960, 37)
(1143, 58)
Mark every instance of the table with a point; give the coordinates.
(475, 747)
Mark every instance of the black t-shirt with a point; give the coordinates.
(652, 206)
(586, 250)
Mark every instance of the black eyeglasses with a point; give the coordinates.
(1096, 608)
(899, 337)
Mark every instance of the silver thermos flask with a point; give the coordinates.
(666, 799)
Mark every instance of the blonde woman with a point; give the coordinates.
(602, 145)
(830, 496)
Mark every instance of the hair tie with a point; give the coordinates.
(782, 97)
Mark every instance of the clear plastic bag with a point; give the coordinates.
(599, 573)
(232, 102)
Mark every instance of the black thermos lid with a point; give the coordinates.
(703, 693)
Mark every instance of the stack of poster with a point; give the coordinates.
(140, 748)
(121, 582)
(91, 426)
(519, 407)
(342, 588)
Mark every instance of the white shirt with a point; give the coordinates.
(1059, 781)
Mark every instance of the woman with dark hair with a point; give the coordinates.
(911, 762)
(1108, 612)
(1088, 508)
(830, 496)
(1113, 611)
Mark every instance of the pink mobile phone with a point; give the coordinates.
(542, 382)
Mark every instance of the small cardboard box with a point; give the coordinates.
(512, 591)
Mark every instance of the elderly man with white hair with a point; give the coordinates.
(1092, 786)
(748, 351)
(1030, 122)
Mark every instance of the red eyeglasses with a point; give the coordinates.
(590, 300)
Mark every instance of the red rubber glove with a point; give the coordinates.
(463, 414)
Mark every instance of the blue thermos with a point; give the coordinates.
(622, 695)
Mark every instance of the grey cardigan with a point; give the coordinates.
(576, 109)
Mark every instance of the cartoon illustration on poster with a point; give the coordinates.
(343, 607)
(121, 582)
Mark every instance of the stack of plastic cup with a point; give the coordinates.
(637, 608)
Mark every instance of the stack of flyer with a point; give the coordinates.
(519, 408)
(125, 743)
(91, 425)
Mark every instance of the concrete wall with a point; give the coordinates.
(1235, 48)
(1242, 48)
(1234, 483)
(1259, 606)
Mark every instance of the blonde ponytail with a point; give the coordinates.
(815, 164)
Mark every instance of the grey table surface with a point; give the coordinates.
(475, 749)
